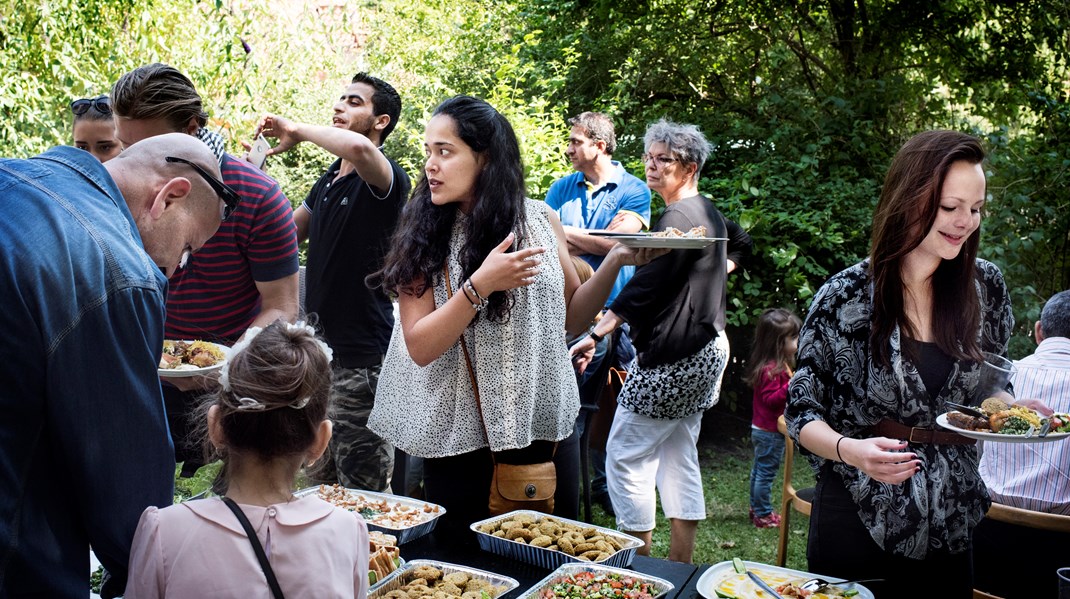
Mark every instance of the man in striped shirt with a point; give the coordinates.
(1033, 476)
(1036, 476)
(246, 275)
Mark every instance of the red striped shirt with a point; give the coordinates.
(215, 296)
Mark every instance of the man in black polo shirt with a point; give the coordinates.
(348, 218)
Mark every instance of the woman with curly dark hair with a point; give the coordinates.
(474, 261)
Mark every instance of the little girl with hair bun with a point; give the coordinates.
(267, 421)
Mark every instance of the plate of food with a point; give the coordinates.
(591, 581)
(404, 517)
(422, 577)
(182, 358)
(671, 238)
(384, 558)
(724, 580)
(1013, 433)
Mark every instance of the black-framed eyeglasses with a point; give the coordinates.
(225, 192)
(102, 104)
(660, 160)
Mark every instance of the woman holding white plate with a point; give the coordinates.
(675, 307)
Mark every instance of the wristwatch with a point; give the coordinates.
(593, 335)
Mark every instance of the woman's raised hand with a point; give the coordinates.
(502, 270)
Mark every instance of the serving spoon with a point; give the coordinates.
(817, 584)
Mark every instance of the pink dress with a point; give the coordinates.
(199, 549)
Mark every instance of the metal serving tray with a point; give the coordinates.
(660, 585)
(550, 558)
(398, 578)
(404, 534)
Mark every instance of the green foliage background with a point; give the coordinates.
(806, 102)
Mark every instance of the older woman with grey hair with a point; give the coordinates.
(675, 306)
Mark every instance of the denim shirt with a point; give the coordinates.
(84, 444)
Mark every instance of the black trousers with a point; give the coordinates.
(461, 484)
(840, 545)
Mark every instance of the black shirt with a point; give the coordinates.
(676, 304)
(349, 234)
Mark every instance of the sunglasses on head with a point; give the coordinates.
(102, 104)
(229, 196)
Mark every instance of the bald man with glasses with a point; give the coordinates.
(85, 250)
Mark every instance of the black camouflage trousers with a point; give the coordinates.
(357, 458)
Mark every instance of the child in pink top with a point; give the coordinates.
(268, 419)
(776, 338)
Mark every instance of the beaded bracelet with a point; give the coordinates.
(477, 306)
(468, 284)
(842, 437)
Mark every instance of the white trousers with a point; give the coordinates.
(646, 456)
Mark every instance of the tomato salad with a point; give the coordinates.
(594, 585)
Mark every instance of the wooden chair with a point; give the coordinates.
(1015, 516)
(792, 498)
(1029, 518)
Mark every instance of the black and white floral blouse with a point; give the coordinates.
(837, 382)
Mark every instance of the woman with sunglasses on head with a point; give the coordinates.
(676, 308)
(93, 128)
(482, 273)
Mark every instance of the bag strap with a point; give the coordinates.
(467, 359)
(273, 582)
(472, 372)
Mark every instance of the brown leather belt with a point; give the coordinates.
(914, 434)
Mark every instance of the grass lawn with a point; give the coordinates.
(725, 453)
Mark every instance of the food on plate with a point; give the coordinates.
(383, 555)
(1014, 421)
(585, 543)
(1060, 423)
(992, 405)
(376, 510)
(425, 581)
(967, 422)
(599, 585)
(186, 355)
(699, 231)
(738, 585)
(1006, 420)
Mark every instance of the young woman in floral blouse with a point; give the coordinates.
(886, 343)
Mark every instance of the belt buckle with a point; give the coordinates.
(922, 432)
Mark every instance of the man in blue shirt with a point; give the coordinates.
(85, 250)
(600, 195)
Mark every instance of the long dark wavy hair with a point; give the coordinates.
(420, 244)
(909, 202)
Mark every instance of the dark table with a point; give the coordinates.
(461, 547)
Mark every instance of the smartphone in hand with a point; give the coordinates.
(258, 153)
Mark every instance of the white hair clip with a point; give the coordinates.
(248, 404)
(301, 325)
(224, 373)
